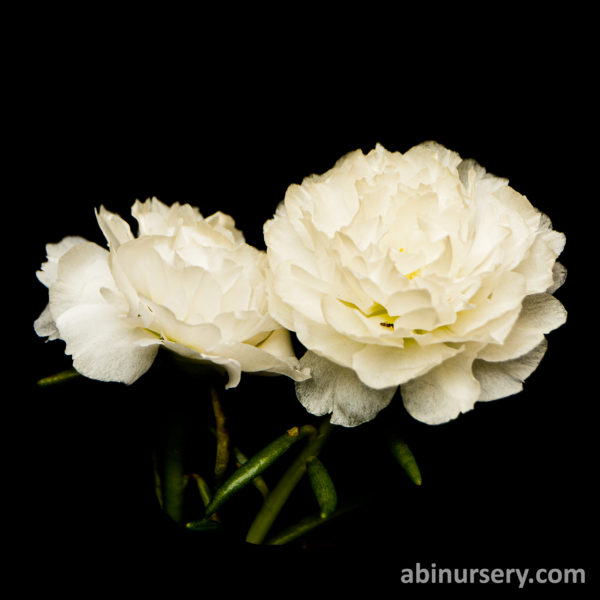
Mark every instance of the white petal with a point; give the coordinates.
(404, 302)
(202, 337)
(444, 392)
(82, 272)
(45, 326)
(337, 390)
(501, 379)
(248, 326)
(47, 274)
(116, 299)
(537, 267)
(499, 296)
(279, 310)
(447, 157)
(279, 343)
(555, 239)
(349, 321)
(325, 341)
(226, 225)
(231, 366)
(104, 344)
(145, 269)
(122, 283)
(295, 291)
(559, 275)
(382, 366)
(284, 243)
(115, 229)
(255, 360)
(540, 314)
(156, 218)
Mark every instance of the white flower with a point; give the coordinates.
(417, 270)
(186, 283)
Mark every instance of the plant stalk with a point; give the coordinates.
(281, 492)
(174, 481)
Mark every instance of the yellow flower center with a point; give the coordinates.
(376, 310)
(413, 274)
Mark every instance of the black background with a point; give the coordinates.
(509, 484)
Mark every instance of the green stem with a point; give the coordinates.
(174, 481)
(308, 524)
(257, 464)
(280, 493)
(203, 489)
(205, 494)
(157, 482)
(222, 453)
(241, 459)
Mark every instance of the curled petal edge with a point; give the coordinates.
(336, 390)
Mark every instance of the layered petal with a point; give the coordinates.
(336, 390)
(505, 378)
(443, 392)
(49, 269)
(104, 343)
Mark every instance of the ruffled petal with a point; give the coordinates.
(444, 392)
(202, 343)
(231, 366)
(49, 269)
(540, 314)
(82, 273)
(279, 343)
(337, 390)
(257, 360)
(325, 341)
(104, 344)
(45, 326)
(559, 276)
(115, 229)
(501, 379)
(203, 337)
(382, 366)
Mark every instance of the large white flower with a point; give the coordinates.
(417, 270)
(188, 283)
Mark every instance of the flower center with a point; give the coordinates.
(376, 310)
(414, 274)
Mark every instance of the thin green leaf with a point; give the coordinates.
(258, 482)
(281, 492)
(157, 481)
(403, 454)
(241, 459)
(203, 489)
(257, 464)
(322, 486)
(222, 452)
(61, 377)
(204, 525)
(308, 524)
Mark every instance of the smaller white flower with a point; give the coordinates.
(187, 283)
